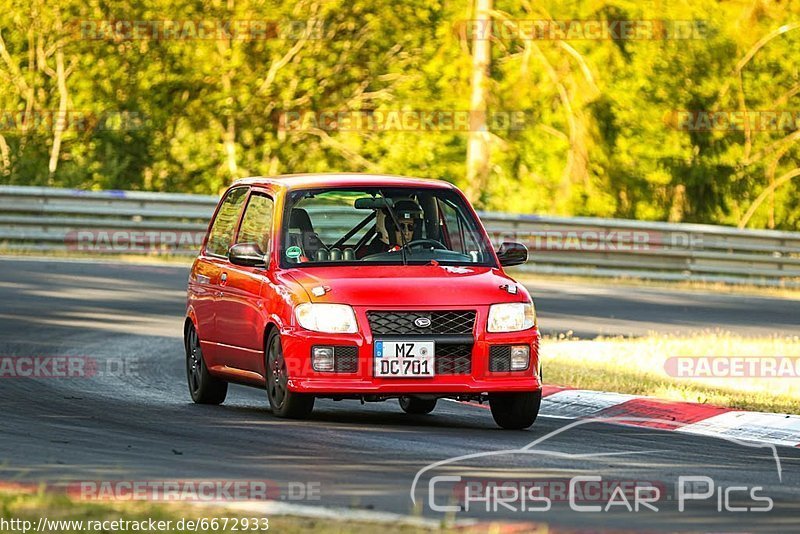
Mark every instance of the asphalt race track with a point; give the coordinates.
(139, 424)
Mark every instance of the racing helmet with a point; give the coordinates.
(404, 209)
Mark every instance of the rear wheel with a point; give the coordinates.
(284, 403)
(515, 411)
(416, 405)
(204, 388)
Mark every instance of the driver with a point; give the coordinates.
(405, 233)
(390, 237)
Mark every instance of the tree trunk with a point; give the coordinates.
(61, 121)
(5, 156)
(226, 53)
(229, 138)
(478, 145)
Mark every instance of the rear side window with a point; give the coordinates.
(221, 235)
(257, 222)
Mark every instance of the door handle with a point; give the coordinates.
(223, 279)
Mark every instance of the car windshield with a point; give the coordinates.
(381, 226)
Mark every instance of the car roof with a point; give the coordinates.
(314, 180)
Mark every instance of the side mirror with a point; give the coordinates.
(247, 255)
(512, 254)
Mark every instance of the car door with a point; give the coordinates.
(240, 318)
(206, 275)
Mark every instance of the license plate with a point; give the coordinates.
(404, 358)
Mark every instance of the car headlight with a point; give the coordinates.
(328, 318)
(511, 317)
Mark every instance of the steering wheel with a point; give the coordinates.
(421, 243)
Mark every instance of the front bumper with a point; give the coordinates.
(434, 386)
(298, 343)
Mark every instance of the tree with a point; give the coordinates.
(478, 147)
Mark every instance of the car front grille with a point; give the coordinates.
(345, 359)
(500, 358)
(451, 322)
(453, 359)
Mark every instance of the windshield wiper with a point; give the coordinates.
(396, 225)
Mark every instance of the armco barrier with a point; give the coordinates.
(49, 219)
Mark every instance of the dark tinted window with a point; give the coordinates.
(221, 235)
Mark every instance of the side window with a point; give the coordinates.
(450, 227)
(257, 222)
(221, 235)
(453, 230)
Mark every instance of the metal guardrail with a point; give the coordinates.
(49, 219)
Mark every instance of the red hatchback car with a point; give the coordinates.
(352, 286)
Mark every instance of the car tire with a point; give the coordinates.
(416, 405)
(203, 387)
(515, 411)
(284, 403)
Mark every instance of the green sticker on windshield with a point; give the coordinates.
(293, 252)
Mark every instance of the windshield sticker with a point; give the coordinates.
(293, 252)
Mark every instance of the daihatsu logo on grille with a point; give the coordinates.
(422, 322)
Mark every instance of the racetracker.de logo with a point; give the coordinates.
(611, 240)
(193, 490)
(582, 30)
(48, 120)
(134, 241)
(733, 367)
(197, 30)
(401, 120)
(67, 367)
(780, 120)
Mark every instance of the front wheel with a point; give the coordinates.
(284, 403)
(416, 405)
(515, 411)
(204, 388)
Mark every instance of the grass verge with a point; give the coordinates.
(642, 366)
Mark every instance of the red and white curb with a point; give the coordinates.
(686, 417)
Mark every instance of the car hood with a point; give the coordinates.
(412, 285)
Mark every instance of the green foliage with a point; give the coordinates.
(599, 138)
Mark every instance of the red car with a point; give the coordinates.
(369, 287)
